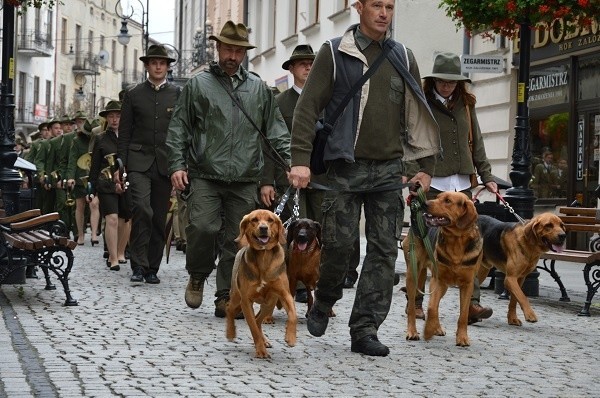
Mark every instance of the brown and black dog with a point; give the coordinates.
(259, 276)
(458, 249)
(515, 249)
(304, 255)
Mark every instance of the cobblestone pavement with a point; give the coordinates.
(140, 341)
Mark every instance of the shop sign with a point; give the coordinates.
(482, 64)
(580, 126)
(548, 86)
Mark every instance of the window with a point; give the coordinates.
(113, 56)
(135, 65)
(341, 5)
(63, 37)
(101, 42)
(292, 25)
(22, 90)
(90, 42)
(38, 20)
(313, 12)
(62, 100)
(49, 25)
(48, 93)
(78, 41)
(125, 65)
(36, 90)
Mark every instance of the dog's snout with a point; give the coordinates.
(561, 237)
(263, 229)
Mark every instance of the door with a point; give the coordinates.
(588, 158)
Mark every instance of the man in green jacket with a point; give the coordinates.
(214, 148)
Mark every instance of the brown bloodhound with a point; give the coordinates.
(458, 249)
(259, 276)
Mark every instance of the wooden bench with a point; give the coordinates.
(577, 219)
(40, 240)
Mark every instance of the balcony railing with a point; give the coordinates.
(86, 63)
(35, 44)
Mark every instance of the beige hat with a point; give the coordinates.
(446, 66)
(233, 34)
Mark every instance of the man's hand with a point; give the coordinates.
(117, 178)
(70, 183)
(267, 195)
(299, 176)
(422, 180)
(179, 179)
(491, 186)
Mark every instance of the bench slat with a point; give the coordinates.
(583, 228)
(575, 256)
(578, 220)
(579, 211)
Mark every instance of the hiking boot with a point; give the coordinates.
(194, 292)
(221, 307)
(316, 321)
(477, 313)
(370, 345)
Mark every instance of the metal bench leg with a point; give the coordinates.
(60, 261)
(592, 286)
(552, 271)
(44, 266)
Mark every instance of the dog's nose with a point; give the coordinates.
(562, 238)
(263, 229)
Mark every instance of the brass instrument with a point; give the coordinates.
(88, 186)
(122, 174)
(70, 200)
(106, 173)
(54, 178)
(85, 161)
(110, 158)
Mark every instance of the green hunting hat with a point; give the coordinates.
(111, 106)
(53, 121)
(95, 122)
(302, 51)
(66, 119)
(233, 34)
(42, 125)
(87, 127)
(157, 51)
(79, 115)
(446, 66)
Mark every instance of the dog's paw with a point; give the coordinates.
(514, 321)
(263, 354)
(462, 341)
(268, 320)
(413, 336)
(531, 317)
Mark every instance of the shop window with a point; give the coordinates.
(549, 160)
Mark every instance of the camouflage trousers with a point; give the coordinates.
(355, 187)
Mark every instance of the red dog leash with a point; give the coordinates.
(504, 202)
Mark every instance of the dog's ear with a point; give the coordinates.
(280, 230)
(290, 232)
(319, 233)
(241, 240)
(531, 229)
(469, 216)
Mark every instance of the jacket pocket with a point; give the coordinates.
(399, 217)
(396, 89)
(135, 147)
(329, 224)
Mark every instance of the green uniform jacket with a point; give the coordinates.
(79, 146)
(41, 156)
(211, 138)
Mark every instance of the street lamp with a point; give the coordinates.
(203, 51)
(10, 180)
(124, 36)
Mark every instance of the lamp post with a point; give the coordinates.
(10, 180)
(123, 37)
(520, 196)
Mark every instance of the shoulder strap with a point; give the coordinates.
(338, 111)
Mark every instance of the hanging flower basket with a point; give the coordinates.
(505, 16)
(14, 3)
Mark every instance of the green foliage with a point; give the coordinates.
(505, 16)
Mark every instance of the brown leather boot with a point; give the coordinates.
(419, 313)
(477, 313)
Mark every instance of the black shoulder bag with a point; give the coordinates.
(323, 129)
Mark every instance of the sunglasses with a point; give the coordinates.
(446, 82)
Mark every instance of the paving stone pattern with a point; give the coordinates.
(142, 341)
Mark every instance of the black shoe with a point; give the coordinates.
(316, 321)
(396, 278)
(301, 296)
(152, 278)
(138, 275)
(370, 345)
(349, 282)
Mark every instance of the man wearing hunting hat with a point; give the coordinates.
(44, 162)
(145, 116)
(60, 149)
(214, 148)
